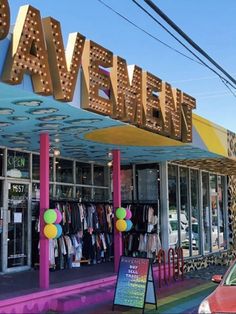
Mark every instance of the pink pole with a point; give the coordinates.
(44, 204)
(116, 204)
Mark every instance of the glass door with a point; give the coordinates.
(17, 218)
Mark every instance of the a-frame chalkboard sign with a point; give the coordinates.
(135, 285)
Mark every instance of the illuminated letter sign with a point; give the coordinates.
(152, 86)
(109, 86)
(64, 66)
(96, 83)
(4, 18)
(27, 52)
(188, 104)
(127, 88)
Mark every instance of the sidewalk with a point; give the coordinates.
(182, 296)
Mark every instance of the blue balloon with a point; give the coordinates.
(59, 230)
(129, 225)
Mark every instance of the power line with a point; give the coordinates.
(146, 32)
(181, 43)
(188, 39)
(201, 62)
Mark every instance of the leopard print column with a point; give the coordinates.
(231, 141)
(232, 211)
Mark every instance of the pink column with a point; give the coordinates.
(44, 204)
(116, 204)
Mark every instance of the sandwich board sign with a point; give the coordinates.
(135, 285)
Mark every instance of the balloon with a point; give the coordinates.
(128, 214)
(50, 231)
(121, 225)
(50, 216)
(129, 225)
(59, 230)
(59, 216)
(120, 213)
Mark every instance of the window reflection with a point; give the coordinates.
(100, 175)
(173, 214)
(206, 212)
(147, 176)
(126, 183)
(100, 195)
(83, 173)
(214, 213)
(195, 222)
(36, 167)
(64, 191)
(222, 230)
(64, 170)
(84, 194)
(184, 210)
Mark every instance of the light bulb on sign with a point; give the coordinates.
(56, 152)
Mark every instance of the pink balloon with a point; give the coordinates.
(59, 216)
(128, 214)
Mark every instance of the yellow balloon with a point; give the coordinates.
(50, 231)
(121, 225)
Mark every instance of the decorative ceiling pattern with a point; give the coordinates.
(24, 115)
(81, 134)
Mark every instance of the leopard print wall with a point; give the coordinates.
(231, 144)
(220, 258)
(232, 211)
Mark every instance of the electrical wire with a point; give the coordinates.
(186, 47)
(146, 32)
(201, 62)
(188, 39)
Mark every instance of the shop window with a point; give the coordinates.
(206, 212)
(100, 175)
(36, 191)
(126, 175)
(184, 208)
(64, 191)
(18, 164)
(214, 213)
(84, 194)
(173, 212)
(64, 170)
(83, 173)
(36, 167)
(100, 195)
(221, 218)
(194, 237)
(51, 190)
(147, 182)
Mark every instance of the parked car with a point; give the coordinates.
(195, 236)
(173, 233)
(222, 299)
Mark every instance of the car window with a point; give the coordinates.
(195, 228)
(174, 224)
(231, 278)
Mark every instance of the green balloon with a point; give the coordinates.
(50, 216)
(120, 213)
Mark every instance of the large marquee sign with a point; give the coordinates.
(109, 86)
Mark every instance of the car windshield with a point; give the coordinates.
(174, 224)
(195, 228)
(230, 280)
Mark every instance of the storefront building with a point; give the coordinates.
(177, 169)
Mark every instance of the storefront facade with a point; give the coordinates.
(176, 168)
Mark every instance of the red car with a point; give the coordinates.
(222, 299)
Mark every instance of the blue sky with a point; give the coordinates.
(211, 24)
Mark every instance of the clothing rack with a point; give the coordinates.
(87, 235)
